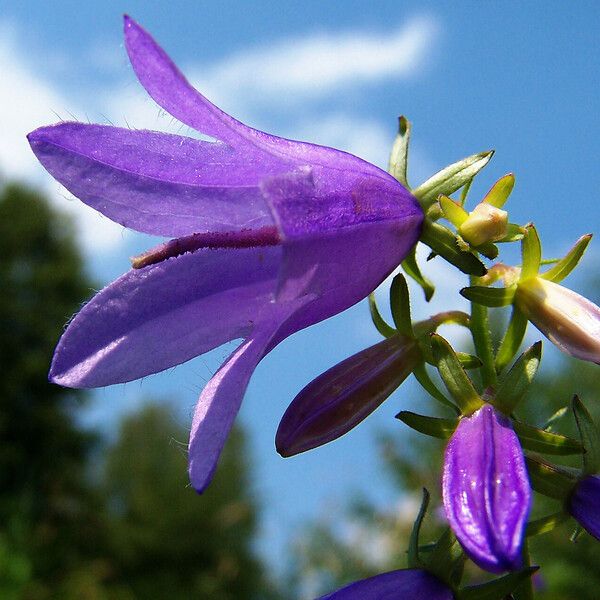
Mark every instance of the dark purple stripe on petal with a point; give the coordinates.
(584, 504)
(486, 490)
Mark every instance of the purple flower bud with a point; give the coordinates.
(567, 319)
(486, 490)
(584, 504)
(343, 396)
(415, 584)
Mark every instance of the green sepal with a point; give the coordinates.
(414, 560)
(499, 588)
(514, 233)
(555, 418)
(489, 250)
(464, 193)
(421, 375)
(531, 250)
(453, 375)
(384, 329)
(452, 178)
(453, 211)
(500, 191)
(549, 479)
(398, 164)
(590, 437)
(400, 305)
(469, 361)
(411, 268)
(446, 559)
(546, 524)
(515, 332)
(443, 242)
(516, 382)
(545, 442)
(490, 296)
(433, 426)
(565, 265)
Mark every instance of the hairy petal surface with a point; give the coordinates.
(486, 490)
(584, 504)
(414, 584)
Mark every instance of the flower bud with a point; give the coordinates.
(486, 490)
(584, 504)
(343, 396)
(485, 223)
(567, 319)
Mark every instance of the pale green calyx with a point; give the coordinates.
(486, 223)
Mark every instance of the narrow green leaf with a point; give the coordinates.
(414, 560)
(452, 178)
(546, 524)
(512, 339)
(531, 249)
(489, 250)
(548, 479)
(384, 329)
(489, 296)
(539, 440)
(433, 426)
(557, 416)
(464, 193)
(458, 383)
(469, 361)
(400, 305)
(515, 233)
(565, 265)
(590, 437)
(516, 382)
(500, 191)
(411, 268)
(497, 589)
(454, 212)
(482, 339)
(443, 242)
(398, 164)
(421, 375)
(446, 559)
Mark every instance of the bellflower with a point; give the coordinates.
(416, 584)
(584, 504)
(486, 490)
(343, 396)
(271, 236)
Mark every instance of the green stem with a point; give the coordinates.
(480, 330)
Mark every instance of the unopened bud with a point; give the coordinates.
(485, 223)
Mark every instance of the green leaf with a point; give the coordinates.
(443, 242)
(452, 178)
(516, 382)
(565, 265)
(384, 329)
(489, 296)
(458, 383)
(454, 212)
(398, 164)
(465, 192)
(400, 305)
(546, 524)
(531, 250)
(500, 191)
(548, 479)
(469, 361)
(433, 426)
(590, 437)
(539, 440)
(411, 268)
(421, 375)
(446, 559)
(489, 250)
(414, 560)
(557, 416)
(512, 339)
(514, 233)
(497, 589)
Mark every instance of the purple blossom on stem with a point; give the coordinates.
(272, 235)
(584, 504)
(415, 584)
(486, 491)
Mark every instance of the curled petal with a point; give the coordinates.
(486, 490)
(567, 319)
(584, 504)
(415, 584)
(343, 396)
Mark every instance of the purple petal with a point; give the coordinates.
(584, 504)
(158, 183)
(414, 584)
(486, 490)
(343, 396)
(153, 318)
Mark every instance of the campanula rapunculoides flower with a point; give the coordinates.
(584, 504)
(416, 584)
(486, 491)
(339, 399)
(272, 235)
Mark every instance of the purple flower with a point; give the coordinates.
(272, 235)
(486, 490)
(584, 504)
(343, 396)
(415, 584)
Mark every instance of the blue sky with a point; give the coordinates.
(522, 78)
